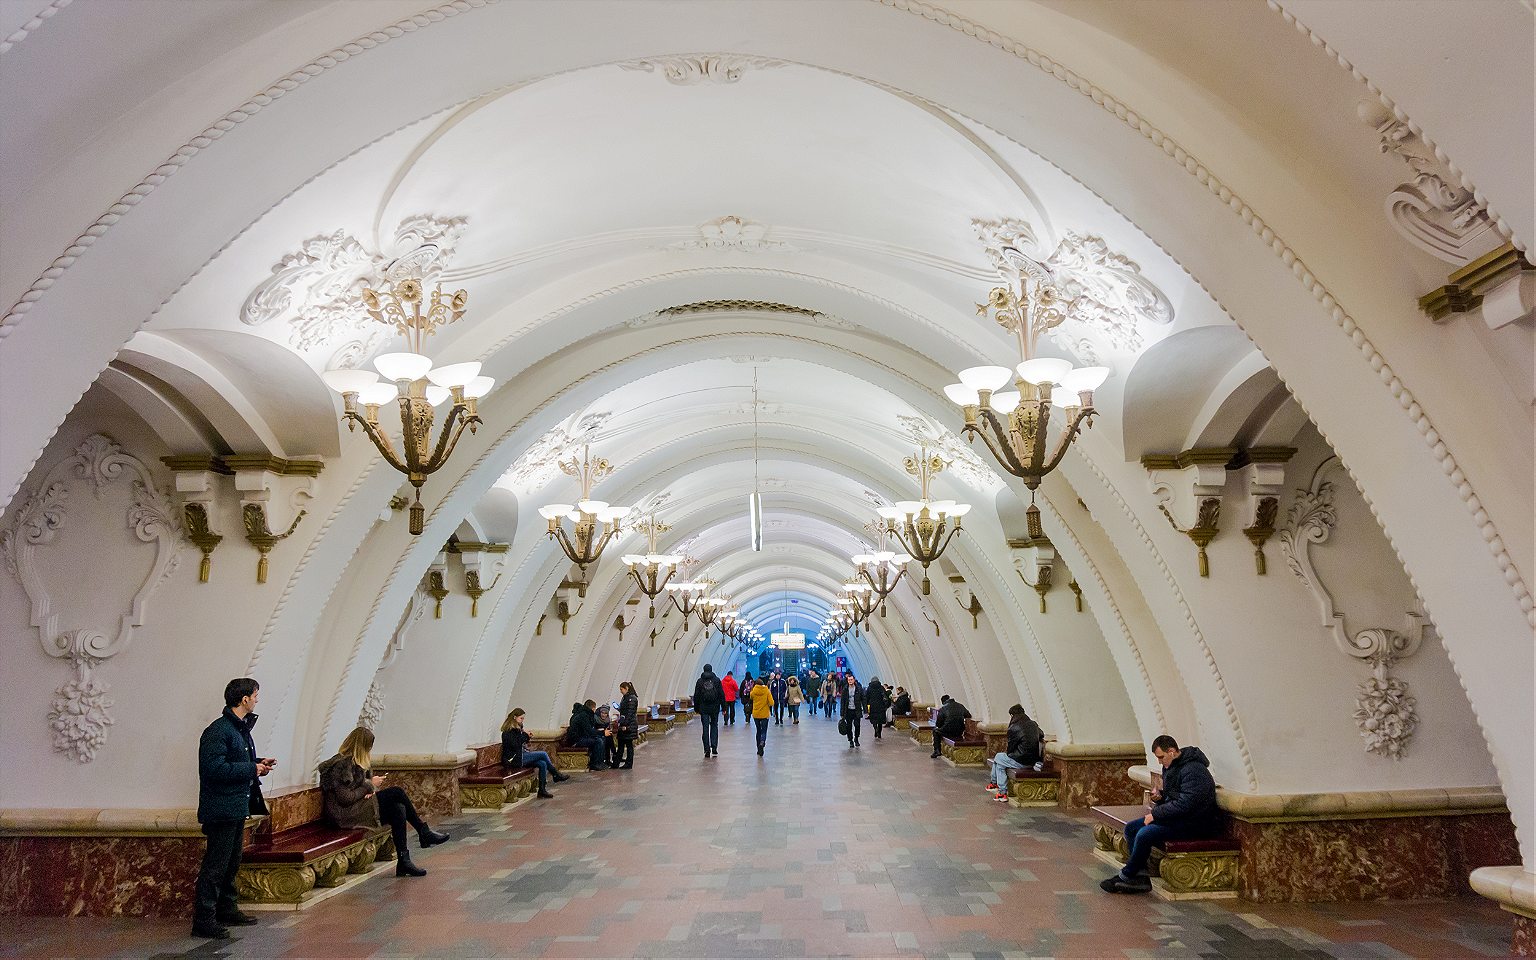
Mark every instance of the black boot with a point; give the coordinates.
(430, 837)
(545, 795)
(211, 931)
(561, 777)
(405, 868)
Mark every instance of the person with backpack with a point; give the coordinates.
(828, 695)
(744, 694)
(708, 698)
(729, 688)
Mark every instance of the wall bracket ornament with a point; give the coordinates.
(79, 714)
(259, 479)
(1077, 593)
(1192, 483)
(1034, 551)
(1384, 712)
(195, 484)
(481, 560)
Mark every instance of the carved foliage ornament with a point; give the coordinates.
(688, 71)
(962, 460)
(732, 233)
(79, 715)
(318, 288)
(1385, 713)
(1082, 286)
(540, 462)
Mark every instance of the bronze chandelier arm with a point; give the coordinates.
(455, 424)
(581, 560)
(1003, 454)
(1067, 438)
(381, 440)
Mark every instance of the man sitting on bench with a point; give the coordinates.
(1185, 809)
(950, 723)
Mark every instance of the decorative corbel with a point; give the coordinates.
(568, 601)
(476, 558)
(1077, 592)
(932, 620)
(1192, 481)
(257, 478)
(973, 608)
(1263, 473)
(195, 485)
(1035, 551)
(618, 621)
(538, 629)
(1501, 285)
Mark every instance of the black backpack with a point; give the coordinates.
(711, 690)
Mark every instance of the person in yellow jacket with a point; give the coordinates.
(762, 708)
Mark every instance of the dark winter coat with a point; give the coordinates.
(875, 700)
(583, 724)
(902, 706)
(512, 743)
(348, 792)
(1024, 741)
(629, 723)
(708, 695)
(227, 786)
(853, 701)
(1189, 791)
(951, 719)
(778, 686)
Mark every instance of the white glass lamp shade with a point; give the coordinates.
(665, 559)
(1005, 402)
(959, 509)
(632, 559)
(591, 506)
(402, 366)
(676, 586)
(379, 393)
(1064, 398)
(613, 514)
(553, 510)
(985, 378)
(455, 374)
(890, 513)
(479, 387)
(1085, 378)
(863, 558)
(909, 507)
(884, 556)
(961, 395)
(1044, 370)
(902, 559)
(436, 395)
(349, 381)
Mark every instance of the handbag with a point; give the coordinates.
(842, 726)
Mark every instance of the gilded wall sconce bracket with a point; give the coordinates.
(1077, 592)
(437, 587)
(261, 536)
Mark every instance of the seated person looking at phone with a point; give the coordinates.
(356, 797)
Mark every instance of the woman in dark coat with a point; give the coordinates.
(629, 725)
(354, 798)
(853, 710)
(876, 700)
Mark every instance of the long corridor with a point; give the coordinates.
(815, 850)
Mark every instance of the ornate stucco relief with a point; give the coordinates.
(317, 288)
(1384, 712)
(80, 713)
(733, 233)
(963, 462)
(694, 69)
(1431, 210)
(541, 461)
(1101, 293)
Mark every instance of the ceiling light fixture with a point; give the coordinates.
(584, 544)
(755, 501)
(410, 379)
(924, 527)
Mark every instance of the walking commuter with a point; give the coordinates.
(812, 687)
(780, 690)
(876, 702)
(744, 694)
(762, 706)
(795, 696)
(708, 698)
(729, 688)
(513, 757)
(1023, 751)
(629, 725)
(853, 710)
(828, 695)
(229, 790)
(355, 796)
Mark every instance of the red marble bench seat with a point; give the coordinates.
(967, 750)
(492, 786)
(1033, 788)
(1182, 869)
(285, 866)
(304, 844)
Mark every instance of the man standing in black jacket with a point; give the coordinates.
(950, 722)
(228, 774)
(1184, 809)
(708, 698)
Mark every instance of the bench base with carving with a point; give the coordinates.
(1196, 875)
(1034, 792)
(921, 733)
(963, 754)
(294, 883)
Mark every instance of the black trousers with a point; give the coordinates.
(854, 722)
(215, 890)
(730, 713)
(627, 750)
(396, 810)
(710, 724)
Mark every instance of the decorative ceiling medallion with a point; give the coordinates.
(318, 288)
(1105, 292)
(541, 462)
(1432, 210)
(733, 233)
(691, 70)
(963, 463)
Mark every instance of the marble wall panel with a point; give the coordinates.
(434, 791)
(1482, 840)
(291, 807)
(487, 754)
(100, 876)
(1096, 782)
(1524, 941)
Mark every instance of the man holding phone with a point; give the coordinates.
(229, 790)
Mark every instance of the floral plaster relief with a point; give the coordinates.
(71, 523)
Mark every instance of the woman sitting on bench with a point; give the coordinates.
(513, 757)
(354, 798)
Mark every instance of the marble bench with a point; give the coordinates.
(490, 786)
(1033, 788)
(967, 750)
(286, 865)
(1182, 869)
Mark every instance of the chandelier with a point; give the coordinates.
(1015, 425)
(687, 595)
(419, 387)
(710, 609)
(652, 571)
(883, 568)
(584, 544)
(924, 527)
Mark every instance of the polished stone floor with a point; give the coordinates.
(815, 850)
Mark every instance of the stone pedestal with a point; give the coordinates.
(1514, 889)
(996, 736)
(430, 779)
(1094, 774)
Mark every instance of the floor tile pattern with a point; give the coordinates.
(815, 850)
